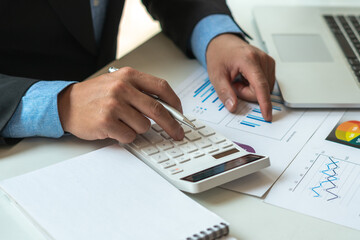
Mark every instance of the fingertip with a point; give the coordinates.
(230, 104)
(268, 116)
(180, 134)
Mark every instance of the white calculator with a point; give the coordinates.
(202, 160)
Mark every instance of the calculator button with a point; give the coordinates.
(156, 128)
(150, 150)
(196, 154)
(212, 149)
(165, 135)
(182, 159)
(174, 152)
(152, 136)
(159, 157)
(186, 128)
(203, 143)
(168, 164)
(225, 144)
(175, 170)
(140, 142)
(188, 148)
(206, 132)
(216, 139)
(165, 145)
(198, 125)
(192, 136)
(181, 142)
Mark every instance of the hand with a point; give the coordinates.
(114, 106)
(227, 56)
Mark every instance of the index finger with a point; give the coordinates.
(256, 77)
(157, 86)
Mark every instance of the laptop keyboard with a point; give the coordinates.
(346, 30)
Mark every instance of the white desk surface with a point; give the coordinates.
(249, 217)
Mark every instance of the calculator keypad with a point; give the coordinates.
(173, 156)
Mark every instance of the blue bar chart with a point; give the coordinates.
(249, 118)
(206, 92)
(255, 118)
(200, 96)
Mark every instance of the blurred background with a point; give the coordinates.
(135, 28)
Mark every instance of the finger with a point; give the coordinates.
(120, 131)
(272, 75)
(160, 88)
(223, 88)
(154, 110)
(244, 92)
(270, 70)
(153, 85)
(133, 118)
(256, 77)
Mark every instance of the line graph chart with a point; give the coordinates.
(323, 180)
(329, 179)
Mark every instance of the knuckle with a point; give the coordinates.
(156, 109)
(273, 63)
(268, 58)
(120, 86)
(251, 54)
(127, 72)
(263, 85)
(222, 91)
(163, 85)
(271, 59)
(111, 103)
(263, 55)
(104, 121)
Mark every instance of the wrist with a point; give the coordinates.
(64, 100)
(224, 40)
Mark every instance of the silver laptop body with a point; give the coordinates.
(317, 53)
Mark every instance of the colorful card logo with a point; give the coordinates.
(347, 131)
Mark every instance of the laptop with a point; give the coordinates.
(317, 54)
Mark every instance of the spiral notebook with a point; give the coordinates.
(109, 194)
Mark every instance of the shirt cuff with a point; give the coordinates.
(37, 113)
(207, 29)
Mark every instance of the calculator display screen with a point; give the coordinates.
(222, 168)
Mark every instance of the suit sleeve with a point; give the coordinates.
(12, 89)
(179, 17)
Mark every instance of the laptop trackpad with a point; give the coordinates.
(301, 48)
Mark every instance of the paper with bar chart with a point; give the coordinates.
(280, 139)
(201, 101)
(324, 179)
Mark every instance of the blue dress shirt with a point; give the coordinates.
(37, 113)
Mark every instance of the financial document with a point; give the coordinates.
(280, 139)
(324, 179)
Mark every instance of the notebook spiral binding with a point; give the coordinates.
(215, 232)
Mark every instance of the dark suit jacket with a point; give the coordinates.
(54, 40)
